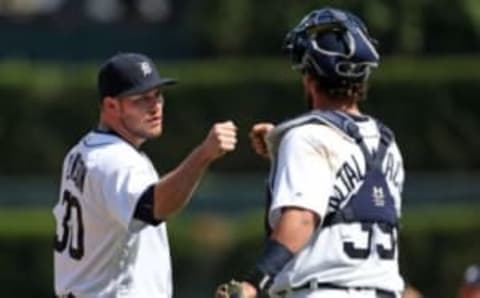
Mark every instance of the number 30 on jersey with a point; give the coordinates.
(72, 234)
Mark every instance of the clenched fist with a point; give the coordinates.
(221, 139)
(257, 138)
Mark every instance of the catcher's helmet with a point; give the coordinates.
(332, 44)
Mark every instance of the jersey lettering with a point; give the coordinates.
(349, 175)
(76, 171)
(392, 170)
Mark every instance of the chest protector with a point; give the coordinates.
(373, 202)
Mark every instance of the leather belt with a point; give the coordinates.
(380, 293)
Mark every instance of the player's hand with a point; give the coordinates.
(257, 138)
(236, 289)
(221, 139)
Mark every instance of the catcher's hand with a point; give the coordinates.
(257, 138)
(232, 289)
(235, 289)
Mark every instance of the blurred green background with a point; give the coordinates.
(226, 53)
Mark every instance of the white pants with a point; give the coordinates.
(333, 293)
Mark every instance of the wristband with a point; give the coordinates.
(270, 263)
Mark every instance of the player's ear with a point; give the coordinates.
(109, 103)
(308, 80)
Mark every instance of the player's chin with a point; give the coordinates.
(153, 132)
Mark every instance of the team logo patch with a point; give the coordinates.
(146, 68)
(378, 196)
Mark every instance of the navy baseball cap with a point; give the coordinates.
(128, 74)
(472, 275)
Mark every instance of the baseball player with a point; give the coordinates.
(336, 177)
(111, 238)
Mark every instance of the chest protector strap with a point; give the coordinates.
(373, 201)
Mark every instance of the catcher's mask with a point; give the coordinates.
(332, 44)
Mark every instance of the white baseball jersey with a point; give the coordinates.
(333, 293)
(101, 250)
(313, 163)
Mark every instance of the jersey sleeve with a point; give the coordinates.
(302, 175)
(123, 188)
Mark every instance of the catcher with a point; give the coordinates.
(336, 177)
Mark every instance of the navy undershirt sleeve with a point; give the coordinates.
(144, 208)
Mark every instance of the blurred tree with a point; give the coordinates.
(235, 16)
(379, 15)
(231, 27)
(402, 26)
(103, 11)
(410, 30)
(155, 10)
(472, 9)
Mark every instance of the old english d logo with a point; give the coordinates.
(146, 68)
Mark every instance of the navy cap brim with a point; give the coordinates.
(148, 86)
